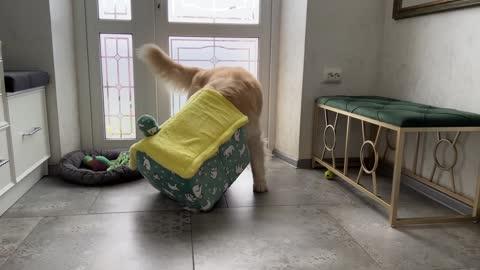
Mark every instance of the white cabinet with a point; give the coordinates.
(5, 175)
(24, 145)
(29, 130)
(2, 91)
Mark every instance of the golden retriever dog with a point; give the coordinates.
(235, 84)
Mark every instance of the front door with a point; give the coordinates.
(214, 33)
(202, 33)
(121, 88)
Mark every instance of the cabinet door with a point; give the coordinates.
(5, 176)
(29, 134)
(2, 93)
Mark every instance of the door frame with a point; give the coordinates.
(141, 27)
(84, 80)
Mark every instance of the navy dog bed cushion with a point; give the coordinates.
(21, 80)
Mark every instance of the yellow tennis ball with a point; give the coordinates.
(329, 175)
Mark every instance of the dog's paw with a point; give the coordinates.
(260, 187)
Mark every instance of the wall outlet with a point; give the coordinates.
(332, 75)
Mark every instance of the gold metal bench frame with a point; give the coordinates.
(392, 206)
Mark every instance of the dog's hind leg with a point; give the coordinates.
(257, 157)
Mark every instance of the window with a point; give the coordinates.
(116, 55)
(114, 10)
(210, 52)
(214, 11)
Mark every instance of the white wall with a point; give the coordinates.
(345, 34)
(24, 31)
(433, 59)
(27, 45)
(61, 17)
(38, 35)
(290, 76)
(427, 58)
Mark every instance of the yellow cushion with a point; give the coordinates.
(193, 135)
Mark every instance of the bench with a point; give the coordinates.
(384, 116)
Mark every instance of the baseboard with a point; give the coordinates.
(307, 163)
(297, 163)
(53, 169)
(304, 163)
(284, 157)
(339, 162)
(431, 193)
(41, 163)
(16, 192)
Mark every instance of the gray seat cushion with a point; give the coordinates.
(21, 80)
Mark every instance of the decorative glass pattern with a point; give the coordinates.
(210, 52)
(116, 55)
(115, 10)
(214, 11)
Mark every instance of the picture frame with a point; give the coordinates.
(402, 9)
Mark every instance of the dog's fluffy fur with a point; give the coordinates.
(235, 84)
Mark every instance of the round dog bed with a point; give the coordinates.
(71, 170)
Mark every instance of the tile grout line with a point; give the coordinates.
(163, 210)
(21, 242)
(191, 242)
(103, 213)
(354, 239)
(90, 208)
(456, 268)
(285, 205)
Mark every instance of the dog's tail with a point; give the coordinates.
(162, 65)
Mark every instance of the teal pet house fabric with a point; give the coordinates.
(204, 189)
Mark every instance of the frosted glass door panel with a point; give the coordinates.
(116, 55)
(214, 11)
(211, 52)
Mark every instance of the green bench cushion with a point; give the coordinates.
(401, 113)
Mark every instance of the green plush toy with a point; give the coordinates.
(97, 163)
(148, 125)
(121, 160)
(101, 163)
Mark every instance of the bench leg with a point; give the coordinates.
(397, 175)
(347, 138)
(316, 123)
(476, 206)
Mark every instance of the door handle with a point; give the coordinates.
(32, 132)
(3, 162)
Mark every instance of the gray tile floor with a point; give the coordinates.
(304, 222)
